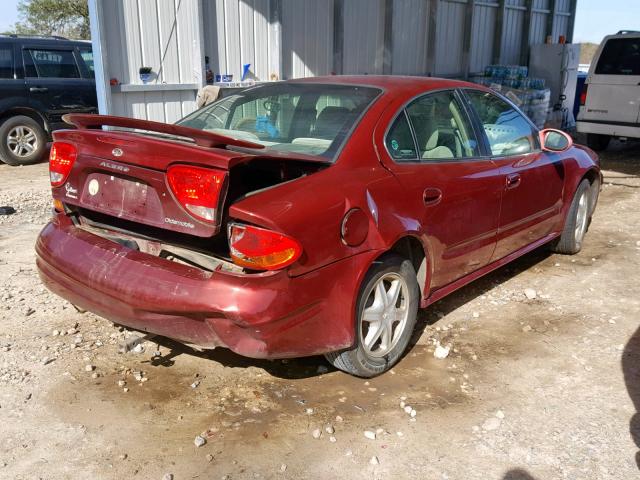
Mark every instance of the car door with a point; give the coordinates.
(533, 181)
(613, 91)
(54, 82)
(453, 191)
(12, 86)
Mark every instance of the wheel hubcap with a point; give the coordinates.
(22, 141)
(384, 317)
(581, 217)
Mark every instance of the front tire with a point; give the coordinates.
(385, 318)
(22, 141)
(577, 221)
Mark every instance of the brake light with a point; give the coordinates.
(261, 249)
(61, 160)
(583, 95)
(197, 189)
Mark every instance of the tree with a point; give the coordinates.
(68, 18)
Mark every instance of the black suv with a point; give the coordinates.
(41, 79)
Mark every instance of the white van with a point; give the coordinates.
(610, 100)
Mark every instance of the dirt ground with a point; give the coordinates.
(542, 388)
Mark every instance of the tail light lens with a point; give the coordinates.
(583, 95)
(61, 160)
(197, 189)
(261, 249)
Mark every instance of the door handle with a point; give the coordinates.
(38, 89)
(513, 180)
(432, 196)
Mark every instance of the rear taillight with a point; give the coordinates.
(261, 249)
(61, 160)
(197, 189)
(583, 95)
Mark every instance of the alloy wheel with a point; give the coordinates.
(22, 141)
(582, 216)
(385, 315)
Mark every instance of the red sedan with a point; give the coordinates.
(307, 217)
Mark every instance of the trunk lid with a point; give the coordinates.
(123, 174)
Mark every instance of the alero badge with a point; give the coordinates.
(116, 152)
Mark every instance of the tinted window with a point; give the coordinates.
(620, 56)
(442, 129)
(87, 58)
(6, 62)
(52, 63)
(29, 66)
(312, 119)
(399, 140)
(508, 132)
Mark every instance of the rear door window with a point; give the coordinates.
(50, 63)
(6, 62)
(620, 56)
(399, 140)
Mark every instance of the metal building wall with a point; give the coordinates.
(450, 37)
(363, 37)
(284, 39)
(512, 26)
(410, 28)
(482, 35)
(307, 38)
(161, 34)
(236, 32)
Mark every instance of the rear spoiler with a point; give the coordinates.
(202, 138)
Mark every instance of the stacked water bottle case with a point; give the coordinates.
(513, 82)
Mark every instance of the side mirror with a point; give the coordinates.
(555, 140)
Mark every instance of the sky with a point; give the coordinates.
(597, 18)
(9, 14)
(594, 19)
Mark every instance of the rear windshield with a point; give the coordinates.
(620, 56)
(311, 119)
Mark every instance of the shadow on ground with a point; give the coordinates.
(517, 474)
(631, 372)
(300, 368)
(621, 157)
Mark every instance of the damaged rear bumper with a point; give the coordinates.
(268, 315)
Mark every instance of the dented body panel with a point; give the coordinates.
(309, 307)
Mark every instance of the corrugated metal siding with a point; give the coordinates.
(409, 41)
(450, 37)
(156, 34)
(482, 33)
(561, 22)
(307, 38)
(512, 32)
(166, 35)
(538, 31)
(363, 36)
(236, 33)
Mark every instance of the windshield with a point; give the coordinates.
(311, 119)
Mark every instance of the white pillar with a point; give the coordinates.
(103, 88)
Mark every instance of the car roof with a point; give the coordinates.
(389, 82)
(396, 86)
(42, 40)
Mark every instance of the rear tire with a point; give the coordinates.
(22, 141)
(598, 142)
(577, 221)
(386, 313)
